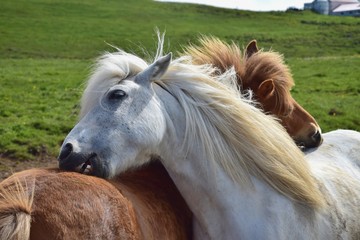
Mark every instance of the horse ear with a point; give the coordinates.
(155, 70)
(251, 49)
(266, 89)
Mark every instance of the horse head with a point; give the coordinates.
(123, 117)
(271, 82)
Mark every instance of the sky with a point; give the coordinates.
(253, 5)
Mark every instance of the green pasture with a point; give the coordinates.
(47, 49)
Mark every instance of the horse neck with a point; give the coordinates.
(222, 209)
(209, 192)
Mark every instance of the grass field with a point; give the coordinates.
(47, 48)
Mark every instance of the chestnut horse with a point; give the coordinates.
(269, 79)
(142, 204)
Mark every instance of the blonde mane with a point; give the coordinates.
(250, 70)
(236, 135)
(233, 133)
(16, 199)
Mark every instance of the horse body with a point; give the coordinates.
(262, 213)
(336, 167)
(338, 144)
(220, 152)
(68, 205)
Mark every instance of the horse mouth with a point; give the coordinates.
(85, 168)
(83, 163)
(301, 146)
(93, 166)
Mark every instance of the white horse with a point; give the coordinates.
(238, 170)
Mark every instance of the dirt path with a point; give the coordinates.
(9, 166)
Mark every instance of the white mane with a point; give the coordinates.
(236, 135)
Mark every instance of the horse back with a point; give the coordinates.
(142, 204)
(69, 205)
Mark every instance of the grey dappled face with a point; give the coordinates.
(121, 131)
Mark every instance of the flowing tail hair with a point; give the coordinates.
(15, 208)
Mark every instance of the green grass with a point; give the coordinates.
(329, 89)
(47, 48)
(38, 104)
(79, 29)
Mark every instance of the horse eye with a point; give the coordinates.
(117, 94)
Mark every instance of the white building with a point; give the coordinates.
(335, 7)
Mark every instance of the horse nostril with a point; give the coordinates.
(317, 137)
(65, 151)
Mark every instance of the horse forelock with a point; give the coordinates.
(262, 66)
(236, 135)
(110, 69)
(268, 65)
(250, 70)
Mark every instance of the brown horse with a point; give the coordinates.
(143, 204)
(268, 77)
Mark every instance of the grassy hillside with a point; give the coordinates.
(47, 48)
(79, 29)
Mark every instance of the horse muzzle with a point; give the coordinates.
(313, 141)
(85, 163)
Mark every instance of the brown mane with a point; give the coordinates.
(252, 66)
(269, 65)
